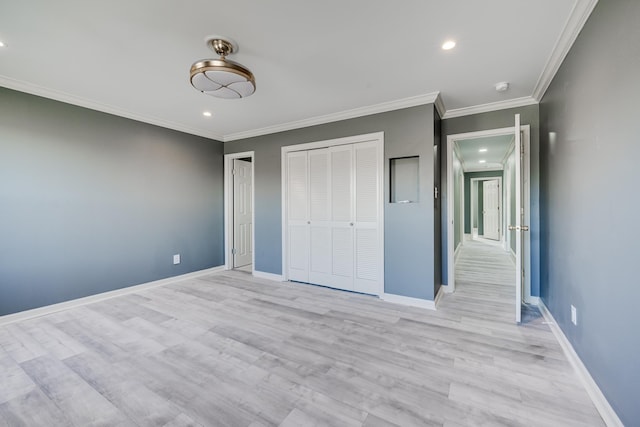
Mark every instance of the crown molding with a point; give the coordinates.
(492, 106)
(429, 98)
(577, 18)
(56, 95)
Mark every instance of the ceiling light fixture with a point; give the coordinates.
(206, 113)
(221, 77)
(448, 45)
(482, 150)
(3, 44)
(482, 161)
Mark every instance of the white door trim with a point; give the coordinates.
(451, 141)
(228, 207)
(371, 137)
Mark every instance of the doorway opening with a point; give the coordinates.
(239, 212)
(486, 207)
(479, 161)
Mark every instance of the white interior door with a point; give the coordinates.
(242, 213)
(518, 227)
(491, 209)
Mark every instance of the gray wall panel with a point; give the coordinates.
(589, 156)
(93, 202)
(409, 228)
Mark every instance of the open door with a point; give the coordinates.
(519, 227)
(242, 213)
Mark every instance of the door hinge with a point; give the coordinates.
(435, 192)
(233, 251)
(233, 171)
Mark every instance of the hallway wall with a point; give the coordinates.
(590, 151)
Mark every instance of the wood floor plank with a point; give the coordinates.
(228, 349)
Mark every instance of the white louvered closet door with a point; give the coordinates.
(342, 190)
(367, 218)
(319, 217)
(297, 217)
(334, 220)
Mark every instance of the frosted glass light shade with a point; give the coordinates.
(222, 78)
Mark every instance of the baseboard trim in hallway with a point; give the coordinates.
(53, 308)
(597, 397)
(413, 302)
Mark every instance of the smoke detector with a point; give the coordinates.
(502, 86)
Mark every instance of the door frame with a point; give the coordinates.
(370, 137)
(474, 196)
(228, 207)
(526, 142)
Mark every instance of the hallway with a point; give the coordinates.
(485, 281)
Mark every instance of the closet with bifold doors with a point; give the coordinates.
(333, 207)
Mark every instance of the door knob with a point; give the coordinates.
(518, 228)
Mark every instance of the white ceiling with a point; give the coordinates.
(495, 151)
(314, 61)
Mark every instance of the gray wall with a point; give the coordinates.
(529, 115)
(409, 228)
(93, 202)
(590, 151)
(467, 196)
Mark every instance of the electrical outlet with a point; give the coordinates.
(176, 259)
(574, 315)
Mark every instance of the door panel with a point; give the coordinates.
(242, 213)
(491, 209)
(297, 214)
(319, 217)
(342, 190)
(367, 230)
(519, 217)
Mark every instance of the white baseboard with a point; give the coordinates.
(54, 308)
(532, 300)
(457, 251)
(268, 276)
(414, 302)
(438, 297)
(599, 400)
(468, 237)
(446, 289)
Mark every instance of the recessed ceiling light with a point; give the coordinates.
(482, 150)
(482, 161)
(448, 45)
(2, 44)
(206, 114)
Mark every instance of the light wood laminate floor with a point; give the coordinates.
(231, 350)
